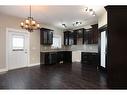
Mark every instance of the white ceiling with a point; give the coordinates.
(55, 15)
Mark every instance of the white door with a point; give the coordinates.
(103, 48)
(17, 50)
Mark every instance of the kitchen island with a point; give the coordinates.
(55, 57)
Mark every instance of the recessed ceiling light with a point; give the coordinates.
(86, 9)
(94, 15)
(77, 23)
(90, 11)
(64, 25)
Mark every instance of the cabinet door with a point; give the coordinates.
(65, 38)
(87, 37)
(50, 37)
(75, 37)
(52, 58)
(68, 39)
(90, 37)
(67, 57)
(45, 37)
(80, 33)
(59, 56)
(95, 33)
(65, 41)
(78, 36)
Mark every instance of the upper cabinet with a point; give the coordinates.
(95, 34)
(91, 35)
(82, 36)
(87, 38)
(78, 36)
(46, 36)
(68, 38)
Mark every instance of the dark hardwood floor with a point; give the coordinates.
(58, 76)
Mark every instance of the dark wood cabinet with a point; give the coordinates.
(78, 36)
(46, 36)
(82, 36)
(95, 34)
(68, 38)
(48, 58)
(60, 56)
(87, 38)
(90, 58)
(116, 46)
(67, 56)
(56, 57)
(90, 36)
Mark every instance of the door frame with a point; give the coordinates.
(101, 29)
(7, 44)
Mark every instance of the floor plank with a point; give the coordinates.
(58, 76)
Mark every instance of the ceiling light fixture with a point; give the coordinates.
(30, 24)
(90, 11)
(64, 25)
(86, 9)
(77, 23)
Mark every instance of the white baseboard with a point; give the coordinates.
(3, 70)
(30, 65)
(35, 64)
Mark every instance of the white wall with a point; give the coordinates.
(35, 47)
(14, 22)
(10, 22)
(102, 20)
(56, 31)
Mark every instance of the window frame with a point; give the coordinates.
(60, 42)
(16, 48)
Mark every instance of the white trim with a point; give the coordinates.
(30, 65)
(3, 70)
(35, 64)
(16, 30)
(60, 39)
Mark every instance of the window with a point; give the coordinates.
(56, 41)
(17, 42)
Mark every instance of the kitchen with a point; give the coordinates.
(63, 46)
(79, 43)
(70, 47)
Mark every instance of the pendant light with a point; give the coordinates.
(30, 24)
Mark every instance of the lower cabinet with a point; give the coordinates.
(90, 58)
(56, 57)
(67, 56)
(48, 58)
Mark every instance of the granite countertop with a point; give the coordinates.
(69, 50)
(54, 50)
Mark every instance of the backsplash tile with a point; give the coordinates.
(85, 48)
(48, 48)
